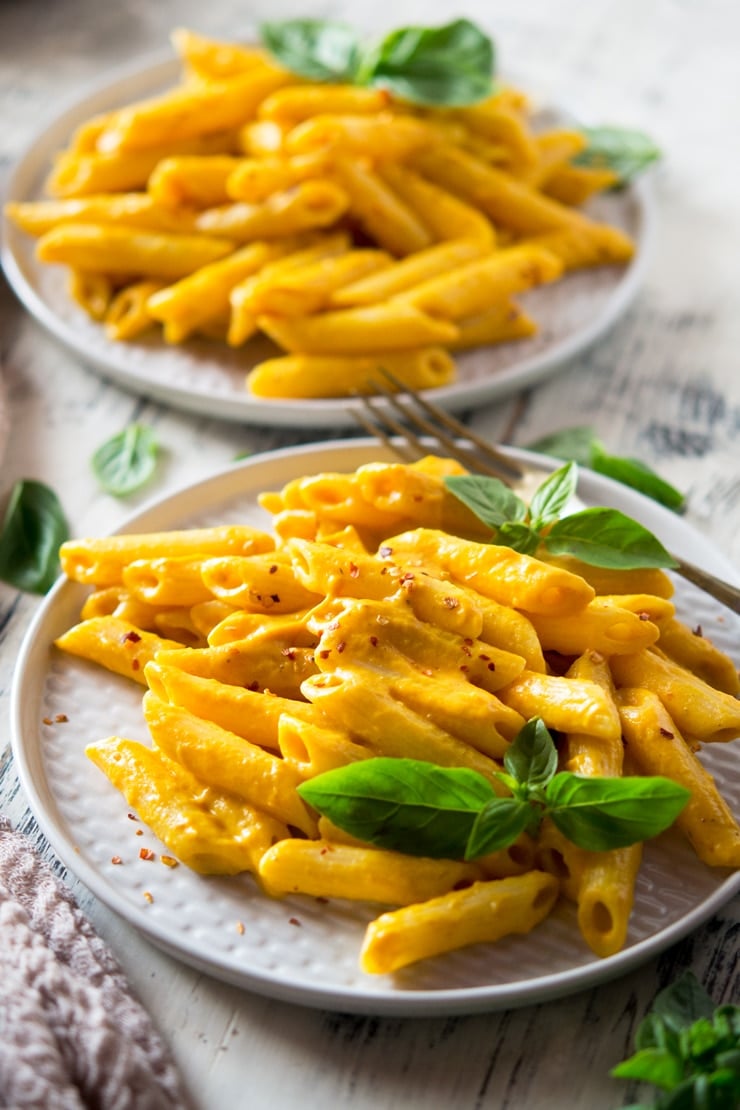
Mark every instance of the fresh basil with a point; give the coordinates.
(126, 461)
(688, 1049)
(627, 153)
(404, 804)
(448, 65)
(33, 530)
(607, 538)
(583, 446)
(314, 48)
(600, 537)
(421, 809)
(604, 813)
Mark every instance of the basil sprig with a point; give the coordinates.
(33, 530)
(448, 65)
(688, 1049)
(598, 536)
(126, 461)
(582, 446)
(627, 153)
(421, 809)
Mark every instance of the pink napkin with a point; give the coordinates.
(72, 1036)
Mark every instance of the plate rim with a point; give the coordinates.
(289, 412)
(388, 1002)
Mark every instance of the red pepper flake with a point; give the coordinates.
(146, 853)
(354, 570)
(333, 626)
(409, 576)
(468, 641)
(132, 817)
(667, 733)
(135, 665)
(323, 851)
(240, 928)
(451, 603)
(275, 598)
(116, 859)
(341, 646)
(169, 861)
(466, 650)
(385, 551)
(293, 921)
(61, 718)
(47, 720)
(698, 631)
(130, 638)
(464, 668)
(492, 666)
(374, 641)
(254, 686)
(322, 900)
(273, 569)
(148, 897)
(644, 616)
(485, 658)
(288, 652)
(325, 653)
(139, 832)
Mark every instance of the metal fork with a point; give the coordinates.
(397, 416)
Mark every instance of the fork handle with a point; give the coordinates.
(722, 591)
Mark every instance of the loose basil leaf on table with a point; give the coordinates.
(33, 530)
(627, 153)
(126, 461)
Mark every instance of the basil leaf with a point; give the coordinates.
(315, 48)
(683, 1002)
(448, 65)
(652, 1065)
(633, 473)
(532, 758)
(407, 805)
(571, 443)
(627, 153)
(491, 501)
(520, 537)
(498, 824)
(553, 495)
(604, 813)
(126, 461)
(33, 530)
(607, 538)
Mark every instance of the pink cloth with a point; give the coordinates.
(72, 1036)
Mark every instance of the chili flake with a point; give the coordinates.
(61, 718)
(130, 637)
(116, 859)
(148, 897)
(146, 853)
(169, 861)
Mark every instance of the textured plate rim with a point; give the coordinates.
(332, 412)
(390, 1002)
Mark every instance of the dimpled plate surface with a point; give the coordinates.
(208, 378)
(298, 948)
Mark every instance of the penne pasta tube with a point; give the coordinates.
(211, 832)
(307, 742)
(198, 181)
(291, 105)
(100, 562)
(226, 762)
(91, 291)
(258, 583)
(356, 331)
(691, 650)
(213, 60)
(573, 185)
(601, 626)
(177, 624)
(501, 324)
(190, 111)
(136, 210)
(345, 375)
(502, 124)
(606, 895)
(473, 287)
(588, 245)
(303, 290)
(83, 174)
(255, 664)
(310, 204)
(565, 704)
(553, 149)
(508, 202)
(582, 752)
(699, 711)
(657, 747)
(381, 135)
(608, 580)
(408, 272)
(115, 644)
(326, 869)
(499, 573)
(128, 313)
(263, 138)
(119, 250)
(255, 179)
(381, 214)
(167, 580)
(446, 216)
(482, 913)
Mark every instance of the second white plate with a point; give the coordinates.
(299, 949)
(208, 378)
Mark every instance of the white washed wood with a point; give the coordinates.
(663, 385)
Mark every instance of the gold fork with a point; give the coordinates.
(397, 416)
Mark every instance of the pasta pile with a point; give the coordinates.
(350, 228)
(377, 621)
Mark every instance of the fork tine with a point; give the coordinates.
(371, 424)
(497, 460)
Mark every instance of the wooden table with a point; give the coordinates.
(663, 385)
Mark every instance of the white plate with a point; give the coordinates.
(208, 378)
(316, 961)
